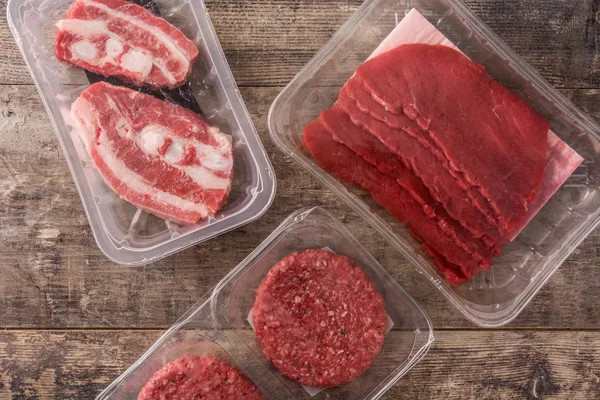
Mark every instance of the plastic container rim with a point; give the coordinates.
(208, 300)
(497, 45)
(266, 174)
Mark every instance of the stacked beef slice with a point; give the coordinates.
(444, 148)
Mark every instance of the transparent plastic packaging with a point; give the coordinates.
(124, 233)
(218, 324)
(495, 297)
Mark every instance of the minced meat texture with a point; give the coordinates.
(319, 318)
(199, 378)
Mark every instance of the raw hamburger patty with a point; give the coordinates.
(319, 318)
(196, 378)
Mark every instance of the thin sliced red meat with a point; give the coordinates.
(355, 89)
(429, 169)
(339, 125)
(351, 168)
(451, 273)
(491, 135)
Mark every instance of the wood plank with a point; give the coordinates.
(54, 276)
(274, 39)
(53, 269)
(506, 365)
(461, 365)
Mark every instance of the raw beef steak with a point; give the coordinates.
(561, 160)
(375, 153)
(319, 318)
(423, 120)
(398, 131)
(158, 156)
(433, 172)
(195, 378)
(488, 133)
(352, 169)
(121, 39)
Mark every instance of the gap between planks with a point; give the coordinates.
(164, 329)
(27, 85)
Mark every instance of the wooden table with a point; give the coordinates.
(72, 321)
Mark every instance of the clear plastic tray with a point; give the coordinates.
(125, 234)
(218, 324)
(493, 298)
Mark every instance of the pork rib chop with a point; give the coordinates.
(156, 155)
(121, 39)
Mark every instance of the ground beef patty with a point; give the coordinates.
(319, 318)
(198, 378)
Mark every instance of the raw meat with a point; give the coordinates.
(340, 126)
(122, 39)
(434, 174)
(356, 91)
(319, 318)
(561, 160)
(450, 273)
(194, 378)
(351, 168)
(158, 156)
(420, 150)
(492, 136)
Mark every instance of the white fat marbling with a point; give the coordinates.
(211, 159)
(85, 50)
(113, 47)
(84, 28)
(152, 141)
(174, 153)
(137, 62)
(123, 128)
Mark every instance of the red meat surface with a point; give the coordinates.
(434, 175)
(451, 273)
(351, 168)
(319, 318)
(356, 91)
(489, 134)
(156, 155)
(119, 38)
(195, 378)
(340, 126)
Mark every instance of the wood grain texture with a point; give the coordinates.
(500, 365)
(56, 272)
(54, 276)
(273, 39)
